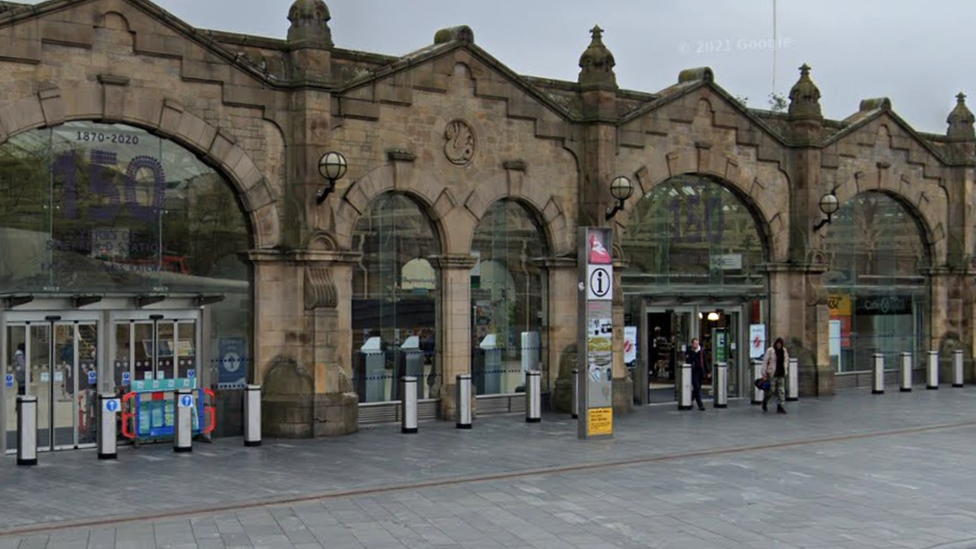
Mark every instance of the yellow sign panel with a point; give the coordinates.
(840, 305)
(599, 421)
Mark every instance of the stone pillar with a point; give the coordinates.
(453, 326)
(561, 329)
(800, 314)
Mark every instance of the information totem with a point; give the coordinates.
(595, 341)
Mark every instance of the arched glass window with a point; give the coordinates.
(112, 210)
(508, 296)
(692, 232)
(878, 290)
(394, 302)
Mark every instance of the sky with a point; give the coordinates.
(916, 53)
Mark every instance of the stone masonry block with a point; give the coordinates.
(22, 115)
(195, 131)
(67, 33)
(143, 107)
(52, 106)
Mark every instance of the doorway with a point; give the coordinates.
(55, 358)
(154, 345)
(668, 333)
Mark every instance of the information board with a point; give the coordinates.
(595, 332)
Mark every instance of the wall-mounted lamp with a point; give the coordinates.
(713, 316)
(829, 206)
(621, 189)
(332, 166)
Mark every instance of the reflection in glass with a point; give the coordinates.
(692, 233)
(507, 296)
(394, 300)
(876, 282)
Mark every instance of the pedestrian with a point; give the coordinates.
(20, 369)
(699, 369)
(775, 363)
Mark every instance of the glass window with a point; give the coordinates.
(507, 299)
(689, 235)
(878, 291)
(394, 302)
(113, 209)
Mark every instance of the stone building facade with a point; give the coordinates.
(455, 132)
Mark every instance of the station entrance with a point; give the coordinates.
(67, 357)
(665, 333)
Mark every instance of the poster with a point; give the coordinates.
(232, 353)
(757, 341)
(835, 344)
(599, 421)
(630, 345)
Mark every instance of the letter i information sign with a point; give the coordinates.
(595, 340)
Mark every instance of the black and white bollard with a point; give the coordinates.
(932, 377)
(26, 430)
(108, 405)
(183, 441)
(793, 381)
(252, 415)
(957, 373)
(575, 406)
(533, 396)
(462, 401)
(877, 377)
(720, 385)
(757, 373)
(408, 405)
(684, 399)
(906, 372)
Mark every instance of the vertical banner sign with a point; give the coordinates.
(595, 333)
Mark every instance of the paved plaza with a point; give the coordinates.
(854, 470)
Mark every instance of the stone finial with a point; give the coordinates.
(310, 25)
(597, 64)
(961, 121)
(805, 97)
(461, 33)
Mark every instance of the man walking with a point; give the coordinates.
(775, 363)
(699, 369)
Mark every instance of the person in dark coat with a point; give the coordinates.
(695, 356)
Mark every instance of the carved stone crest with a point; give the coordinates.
(459, 142)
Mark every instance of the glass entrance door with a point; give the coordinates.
(55, 360)
(155, 346)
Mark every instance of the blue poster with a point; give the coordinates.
(232, 354)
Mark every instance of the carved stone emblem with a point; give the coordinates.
(460, 142)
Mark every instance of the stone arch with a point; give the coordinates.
(541, 204)
(921, 206)
(772, 221)
(435, 201)
(114, 101)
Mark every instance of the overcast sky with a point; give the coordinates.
(917, 53)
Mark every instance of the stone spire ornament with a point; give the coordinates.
(597, 64)
(310, 25)
(805, 97)
(961, 121)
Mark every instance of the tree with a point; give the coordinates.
(778, 102)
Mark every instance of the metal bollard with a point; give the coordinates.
(793, 381)
(408, 405)
(957, 374)
(720, 385)
(575, 408)
(533, 396)
(684, 401)
(906, 372)
(183, 441)
(26, 430)
(252, 415)
(462, 400)
(877, 384)
(757, 373)
(108, 406)
(933, 371)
